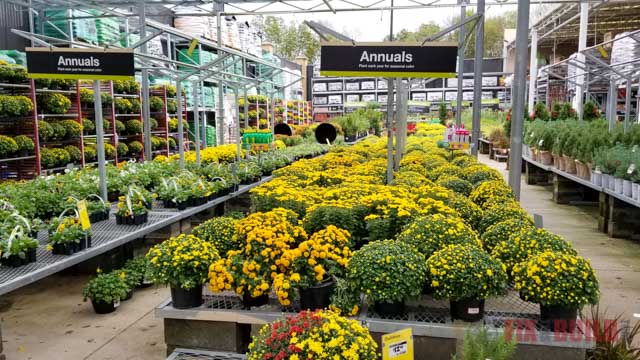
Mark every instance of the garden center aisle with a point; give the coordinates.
(616, 261)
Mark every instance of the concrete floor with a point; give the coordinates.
(48, 320)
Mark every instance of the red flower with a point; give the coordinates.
(267, 356)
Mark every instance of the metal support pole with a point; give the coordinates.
(587, 94)
(31, 22)
(401, 121)
(220, 102)
(390, 86)
(519, 81)
(627, 105)
(196, 121)
(102, 168)
(180, 127)
(612, 102)
(461, 36)
(477, 80)
(238, 137)
(146, 113)
(582, 44)
(533, 70)
(246, 108)
(390, 110)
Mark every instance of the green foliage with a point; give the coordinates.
(122, 149)
(136, 147)
(47, 158)
(615, 338)
(90, 153)
(387, 271)
(59, 131)
(126, 87)
(540, 112)
(172, 107)
(479, 345)
(120, 127)
(62, 156)
(75, 155)
(25, 143)
(123, 105)
(137, 269)
(567, 112)
(322, 216)
(89, 126)
(156, 104)
(61, 84)
(8, 146)
(353, 123)
(109, 288)
(13, 74)
(53, 103)
(72, 128)
(289, 40)
(134, 127)
(443, 114)
(135, 106)
(109, 151)
(590, 111)
(219, 231)
(15, 105)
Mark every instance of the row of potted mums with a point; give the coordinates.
(328, 232)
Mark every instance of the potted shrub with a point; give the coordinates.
(310, 268)
(466, 275)
(72, 128)
(45, 131)
(66, 235)
(25, 145)
(109, 151)
(219, 231)
(123, 106)
(560, 283)
(455, 184)
(388, 272)
(120, 127)
(305, 336)
(185, 277)
(527, 242)
(105, 292)
(53, 103)
(491, 190)
(130, 279)
(62, 156)
(90, 153)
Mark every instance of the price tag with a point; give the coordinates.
(631, 169)
(473, 311)
(84, 215)
(398, 345)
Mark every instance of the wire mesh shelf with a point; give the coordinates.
(193, 354)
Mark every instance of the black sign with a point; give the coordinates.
(72, 63)
(389, 60)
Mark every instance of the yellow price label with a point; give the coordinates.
(84, 215)
(192, 47)
(398, 345)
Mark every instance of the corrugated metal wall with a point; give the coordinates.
(12, 17)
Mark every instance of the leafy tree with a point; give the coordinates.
(289, 40)
(425, 30)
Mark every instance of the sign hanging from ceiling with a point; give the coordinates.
(80, 64)
(435, 59)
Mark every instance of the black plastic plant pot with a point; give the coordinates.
(186, 299)
(101, 307)
(112, 196)
(558, 318)
(168, 204)
(389, 309)
(324, 132)
(317, 297)
(249, 301)
(12, 261)
(182, 205)
(145, 217)
(129, 295)
(144, 284)
(31, 255)
(34, 234)
(469, 310)
(60, 249)
(138, 219)
(119, 220)
(427, 289)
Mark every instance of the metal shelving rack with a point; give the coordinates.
(328, 103)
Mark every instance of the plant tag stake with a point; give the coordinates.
(635, 147)
(398, 345)
(631, 169)
(84, 215)
(540, 142)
